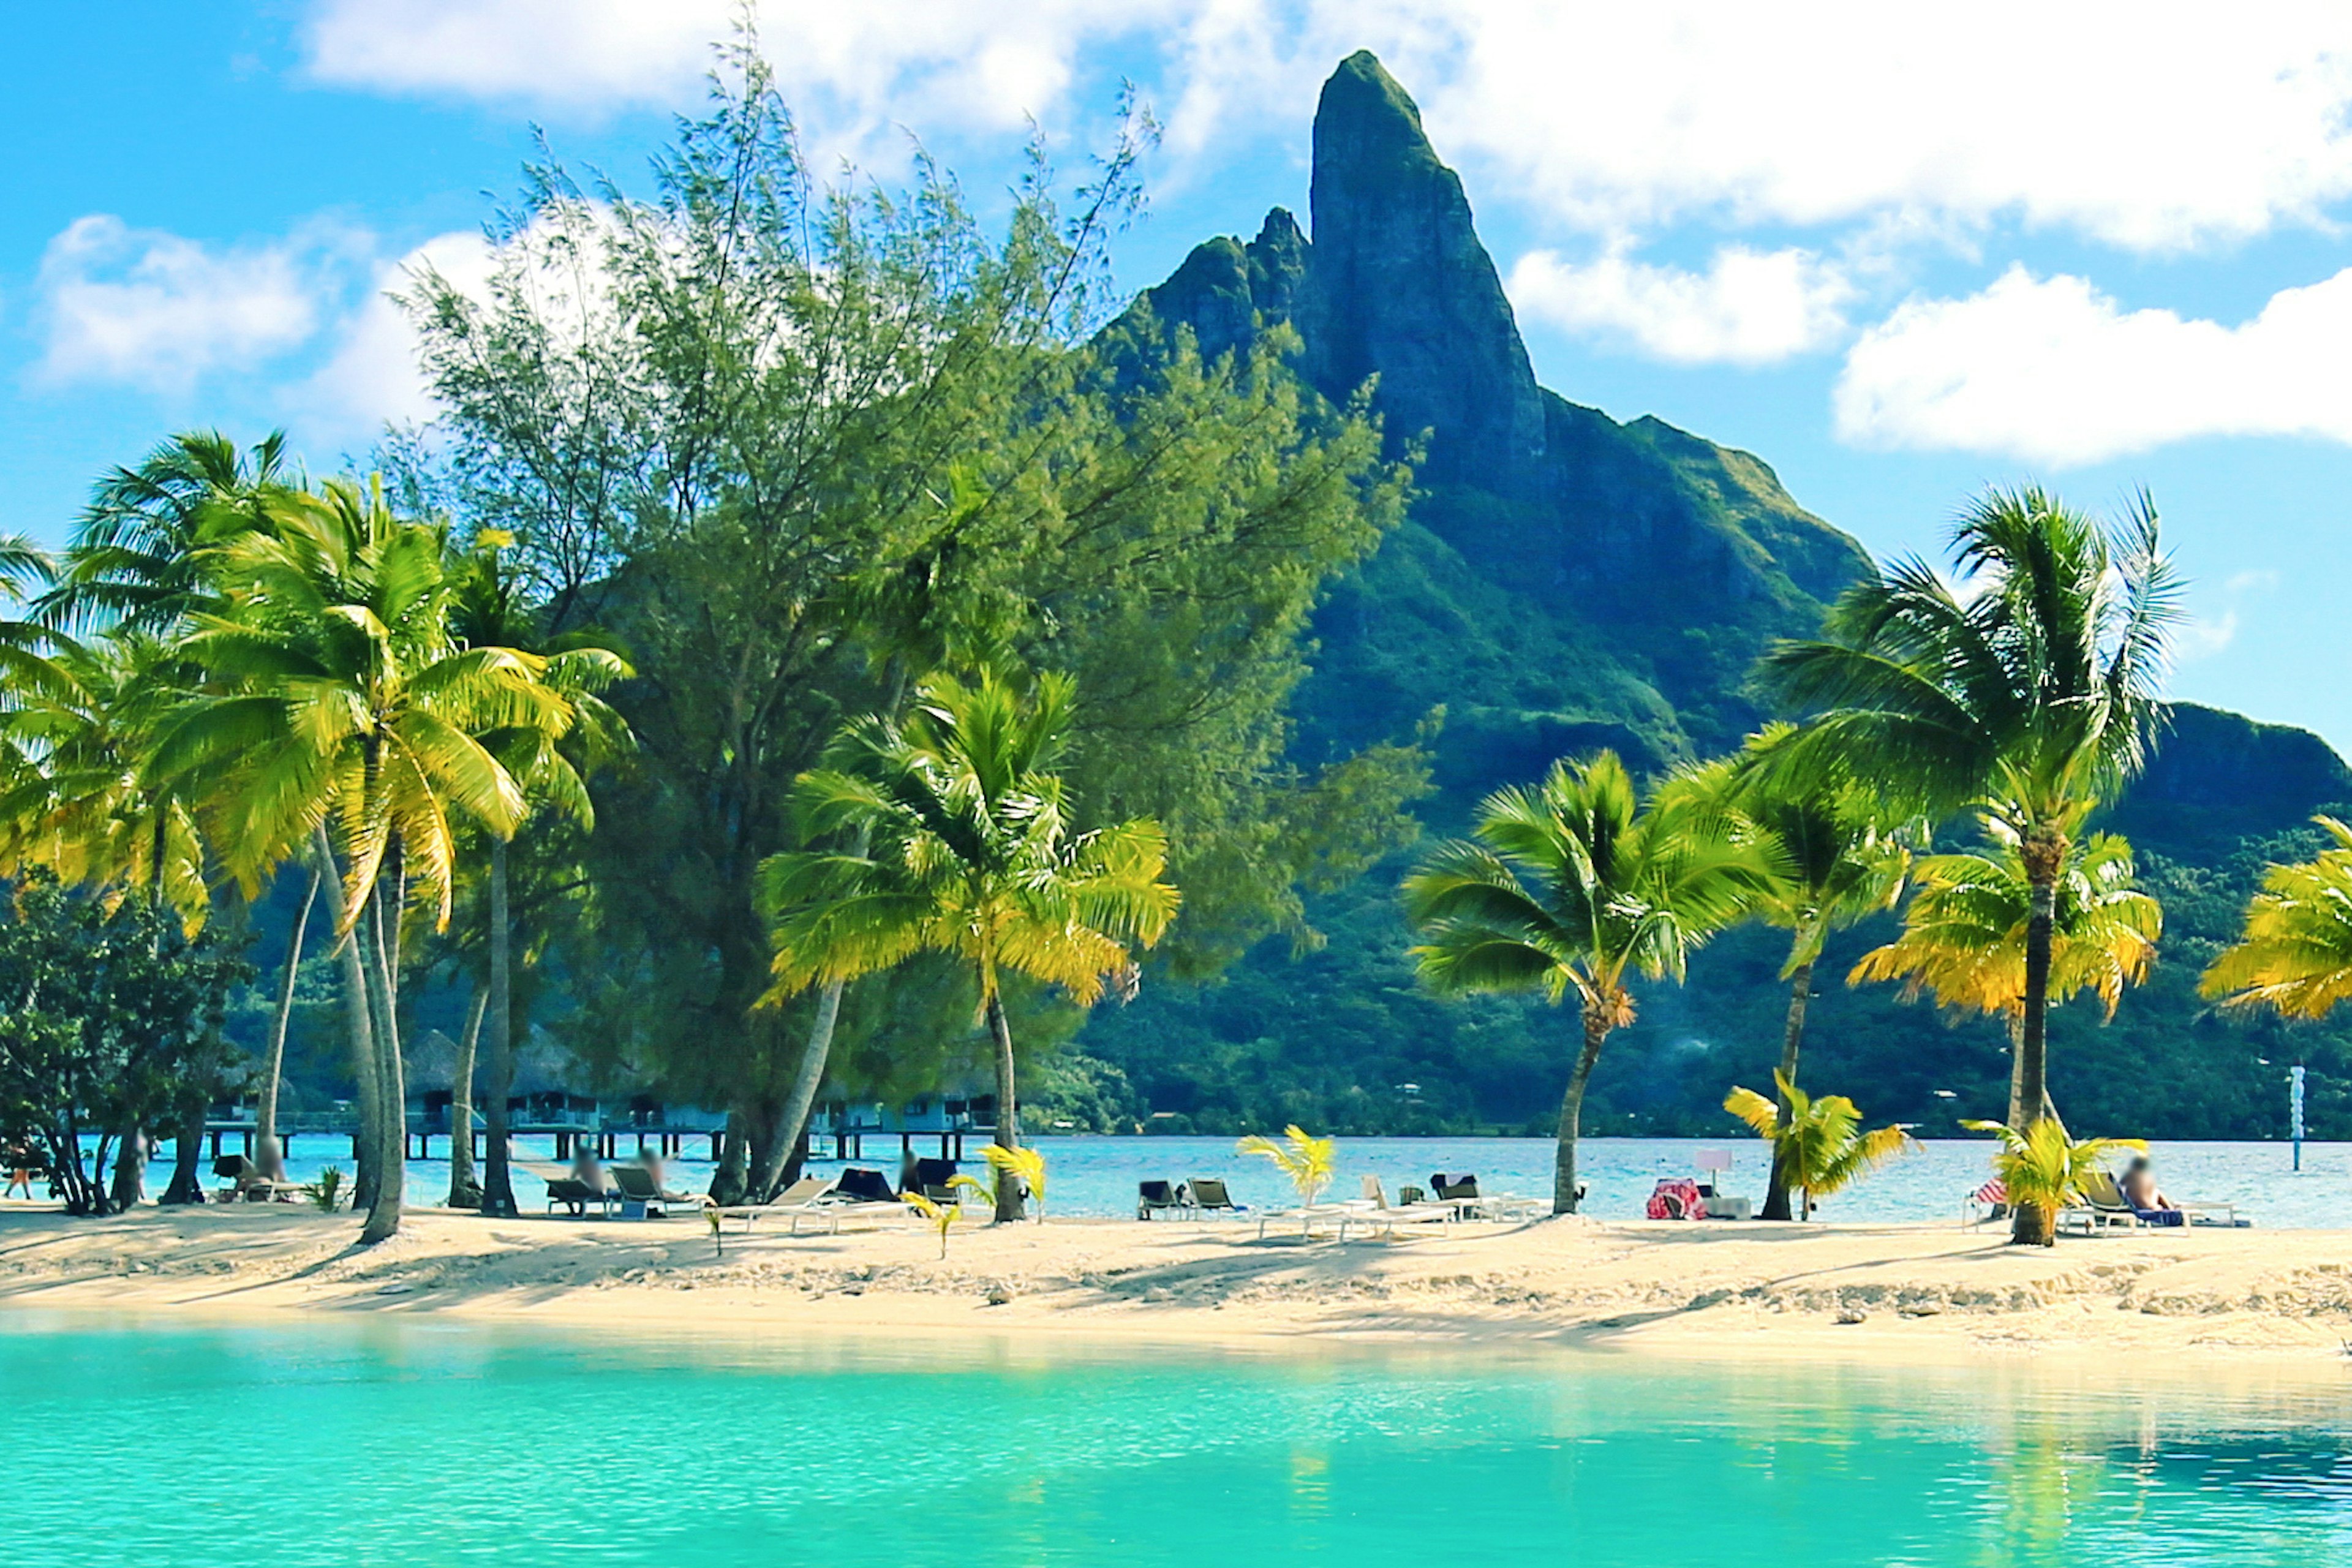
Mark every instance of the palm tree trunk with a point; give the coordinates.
(1800, 989)
(1008, 1110)
(792, 1119)
(378, 925)
(732, 1179)
(359, 1029)
(2034, 1226)
(497, 1172)
(1564, 1195)
(188, 1155)
(129, 1182)
(2017, 1083)
(265, 1113)
(464, 1191)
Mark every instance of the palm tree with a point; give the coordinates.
(138, 557)
(1838, 860)
(1964, 936)
(968, 848)
(2030, 695)
(2043, 1170)
(2296, 955)
(1571, 887)
(346, 712)
(488, 610)
(1819, 1143)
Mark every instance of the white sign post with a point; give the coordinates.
(2294, 1112)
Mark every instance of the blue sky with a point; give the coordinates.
(1898, 257)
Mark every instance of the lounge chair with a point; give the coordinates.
(1207, 1195)
(814, 1199)
(248, 1185)
(1157, 1197)
(568, 1192)
(1462, 1191)
(1376, 1212)
(2106, 1194)
(861, 1186)
(642, 1197)
(934, 1179)
(2103, 1207)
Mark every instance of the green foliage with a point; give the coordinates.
(2043, 1170)
(1819, 1142)
(1964, 934)
(1308, 1161)
(326, 1189)
(1026, 1164)
(114, 1020)
(2295, 956)
(792, 444)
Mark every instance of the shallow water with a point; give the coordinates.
(424, 1444)
(1099, 1175)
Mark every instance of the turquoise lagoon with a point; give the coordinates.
(421, 1444)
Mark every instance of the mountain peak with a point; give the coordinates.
(1403, 289)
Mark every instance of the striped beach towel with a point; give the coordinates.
(1992, 1192)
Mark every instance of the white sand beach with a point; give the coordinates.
(1743, 1290)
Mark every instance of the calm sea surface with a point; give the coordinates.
(422, 1445)
(1099, 1175)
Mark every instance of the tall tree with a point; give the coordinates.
(780, 439)
(1572, 887)
(967, 846)
(1964, 935)
(548, 764)
(1838, 860)
(345, 710)
(2029, 693)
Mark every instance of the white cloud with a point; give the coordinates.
(372, 377)
(157, 311)
(1750, 306)
(852, 69)
(2147, 125)
(2053, 371)
(2202, 636)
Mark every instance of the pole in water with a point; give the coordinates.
(2294, 1111)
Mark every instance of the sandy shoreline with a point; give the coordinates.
(1873, 1292)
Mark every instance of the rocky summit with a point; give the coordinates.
(1524, 593)
(1563, 582)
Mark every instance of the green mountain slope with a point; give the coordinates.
(1568, 581)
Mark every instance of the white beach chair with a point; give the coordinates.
(1378, 1214)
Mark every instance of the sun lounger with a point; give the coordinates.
(1156, 1197)
(2103, 1207)
(568, 1192)
(862, 1185)
(1377, 1213)
(1461, 1190)
(1206, 1196)
(802, 1200)
(1310, 1217)
(642, 1197)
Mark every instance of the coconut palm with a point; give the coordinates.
(346, 712)
(2030, 693)
(2043, 1170)
(1838, 859)
(1964, 936)
(1818, 1143)
(139, 552)
(967, 847)
(1308, 1161)
(1571, 887)
(488, 610)
(2296, 955)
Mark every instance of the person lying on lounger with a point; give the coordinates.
(2140, 1187)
